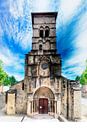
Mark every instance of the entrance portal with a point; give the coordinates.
(43, 100)
(43, 106)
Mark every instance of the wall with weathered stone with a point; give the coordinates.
(10, 107)
(2, 100)
(70, 93)
(64, 97)
(46, 20)
(18, 85)
(84, 91)
(21, 102)
(77, 104)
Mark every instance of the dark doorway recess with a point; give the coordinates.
(43, 106)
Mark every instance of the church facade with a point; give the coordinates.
(44, 90)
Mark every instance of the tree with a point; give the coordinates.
(77, 78)
(83, 78)
(3, 74)
(5, 79)
(12, 80)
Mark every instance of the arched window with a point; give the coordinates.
(22, 86)
(47, 31)
(40, 47)
(41, 32)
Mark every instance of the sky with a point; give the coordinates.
(16, 33)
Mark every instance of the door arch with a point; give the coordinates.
(43, 100)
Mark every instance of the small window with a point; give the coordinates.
(41, 32)
(40, 47)
(6, 96)
(47, 32)
(22, 86)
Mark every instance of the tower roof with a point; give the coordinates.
(48, 14)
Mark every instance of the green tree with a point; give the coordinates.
(77, 78)
(83, 78)
(3, 74)
(12, 80)
(5, 79)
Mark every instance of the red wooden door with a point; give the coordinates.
(43, 106)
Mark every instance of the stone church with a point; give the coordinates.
(44, 90)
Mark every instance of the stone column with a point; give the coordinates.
(30, 106)
(55, 109)
(11, 104)
(59, 105)
(52, 105)
(33, 106)
(77, 104)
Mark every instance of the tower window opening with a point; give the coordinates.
(41, 32)
(47, 32)
(22, 86)
(40, 47)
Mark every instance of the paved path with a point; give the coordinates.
(41, 118)
(24, 118)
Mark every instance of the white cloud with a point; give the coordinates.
(81, 40)
(67, 8)
(40, 5)
(12, 61)
(16, 8)
(26, 40)
(75, 65)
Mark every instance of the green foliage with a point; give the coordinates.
(4, 78)
(3, 74)
(7, 81)
(83, 77)
(12, 80)
(77, 78)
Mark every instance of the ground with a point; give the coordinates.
(46, 118)
(84, 109)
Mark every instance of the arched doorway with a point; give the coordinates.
(43, 100)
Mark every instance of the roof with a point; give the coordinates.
(43, 14)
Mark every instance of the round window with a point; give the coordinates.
(44, 65)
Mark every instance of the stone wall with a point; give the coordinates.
(84, 91)
(64, 97)
(2, 100)
(74, 101)
(18, 86)
(21, 102)
(46, 20)
(77, 104)
(10, 107)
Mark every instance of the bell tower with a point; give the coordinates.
(43, 64)
(44, 32)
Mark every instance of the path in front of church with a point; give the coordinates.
(47, 118)
(24, 118)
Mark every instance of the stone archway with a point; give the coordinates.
(43, 101)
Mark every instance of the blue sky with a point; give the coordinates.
(16, 33)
